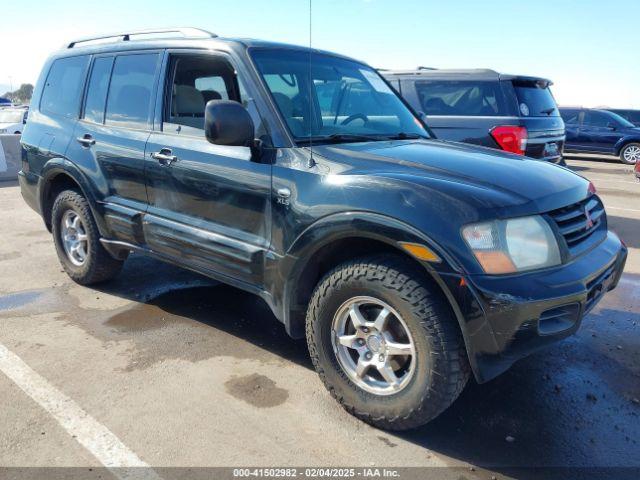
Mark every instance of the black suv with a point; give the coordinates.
(300, 176)
(483, 107)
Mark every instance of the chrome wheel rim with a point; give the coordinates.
(74, 237)
(632, 154)
(373, 345)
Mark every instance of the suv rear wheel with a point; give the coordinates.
(386, 347)
(77, 241)
(630, 154)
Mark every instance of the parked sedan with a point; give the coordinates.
(13, 120)
(601, 131)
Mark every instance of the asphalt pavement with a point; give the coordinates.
(165, 368)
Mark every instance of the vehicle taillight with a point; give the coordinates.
(511, 138)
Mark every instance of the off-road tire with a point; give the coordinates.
(442, 368)
(99, 266)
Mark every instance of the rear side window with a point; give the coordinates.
(461, 98)
(535, 100)
(130, 92)
(97, 91)
(570, 117)
(61, 93)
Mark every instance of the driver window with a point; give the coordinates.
(194, 81)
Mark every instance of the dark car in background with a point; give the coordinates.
(601, 131)
(510, 112)
(632, 115)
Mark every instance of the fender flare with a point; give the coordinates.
(364, 225)
(60, 166)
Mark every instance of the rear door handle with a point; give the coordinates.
(86, 140)
(164, 156)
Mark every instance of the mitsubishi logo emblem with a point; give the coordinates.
(589, 220)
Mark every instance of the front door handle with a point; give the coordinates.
(86, 140)
(164, 156)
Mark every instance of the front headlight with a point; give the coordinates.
(515, 245)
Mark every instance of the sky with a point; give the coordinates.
(589, 48)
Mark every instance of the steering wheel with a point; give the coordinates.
(355, 116)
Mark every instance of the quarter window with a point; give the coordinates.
(97, 91)
(61, 94)
(129, 100)
(570, 117)
(461, 98)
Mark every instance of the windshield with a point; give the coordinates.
(11, 116)
(535, 100)
(325, 97)
(623, 122)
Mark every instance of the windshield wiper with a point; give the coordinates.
(548, 111)
(343, 138)
(405, 136)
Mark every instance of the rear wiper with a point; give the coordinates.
(549, 111)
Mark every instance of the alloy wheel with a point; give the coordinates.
(373, 345)
(74, 237)
(632, 154)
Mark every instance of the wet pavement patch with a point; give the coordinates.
(568, 405)
(16, 301)
(198, 323)
(256, 390)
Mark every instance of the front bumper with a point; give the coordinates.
(506, 318)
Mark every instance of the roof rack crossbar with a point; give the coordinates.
(187, 32)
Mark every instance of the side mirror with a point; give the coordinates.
(611, 126)
(228, 123)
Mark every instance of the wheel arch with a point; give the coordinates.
(59, 175)
(623, 142)
(341, 237)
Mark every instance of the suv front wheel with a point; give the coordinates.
(77, 241)
(386, 346)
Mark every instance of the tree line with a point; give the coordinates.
(21, 95)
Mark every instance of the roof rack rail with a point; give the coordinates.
(188, 32)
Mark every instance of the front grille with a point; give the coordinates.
(578, 222)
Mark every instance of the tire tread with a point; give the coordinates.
(451, 371)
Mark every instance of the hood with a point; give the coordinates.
(484, 172)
